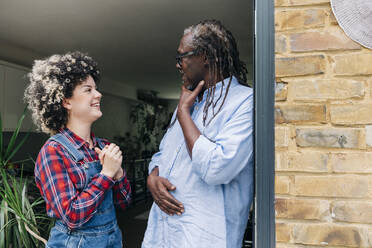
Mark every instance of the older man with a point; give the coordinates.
(202, 177)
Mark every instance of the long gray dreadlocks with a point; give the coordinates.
(211, 39)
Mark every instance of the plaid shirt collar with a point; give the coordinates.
(76, 140)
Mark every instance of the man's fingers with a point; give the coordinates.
(172, 207)
(198, 88)
(168, 185)
(167, 195)
(165, 201)
(167, 207)
(164, 194)
(165, 210)
(174, 201)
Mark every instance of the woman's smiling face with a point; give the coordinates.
(84, 104)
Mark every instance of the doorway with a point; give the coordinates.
(135, 43)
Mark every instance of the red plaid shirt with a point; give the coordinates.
(61, 182)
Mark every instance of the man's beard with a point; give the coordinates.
(191, 83)
(192, 86)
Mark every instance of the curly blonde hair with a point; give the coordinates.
(52, 80)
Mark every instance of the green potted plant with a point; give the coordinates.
(19, 222)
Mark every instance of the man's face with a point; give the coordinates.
(191, 67)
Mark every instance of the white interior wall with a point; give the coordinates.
(13, 81)
(2, 86)
(116, 107)
(115, 119)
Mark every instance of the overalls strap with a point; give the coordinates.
(100, 143)
(65, 142)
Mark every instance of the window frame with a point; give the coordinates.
(264, 149)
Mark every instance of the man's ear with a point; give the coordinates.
(66, 104)
(205, 60)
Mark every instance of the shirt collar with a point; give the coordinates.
(218, 87)
(76, 140)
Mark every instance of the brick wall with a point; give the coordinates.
(323, 130)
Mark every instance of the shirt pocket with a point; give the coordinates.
(78, 175)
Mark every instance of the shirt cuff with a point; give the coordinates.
(118, 181)
(152, 166)
(103, 182)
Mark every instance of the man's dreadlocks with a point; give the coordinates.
(211, 39)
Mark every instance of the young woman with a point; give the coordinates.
(79, 176)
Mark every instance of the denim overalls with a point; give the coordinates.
(101, 230)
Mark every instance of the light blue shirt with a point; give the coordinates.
(216, 185)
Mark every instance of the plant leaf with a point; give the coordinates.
(1, 142)
(3, 221)
(14, 136)
(17, 216)
(7, 190)
(23, 197)
(17, 148)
